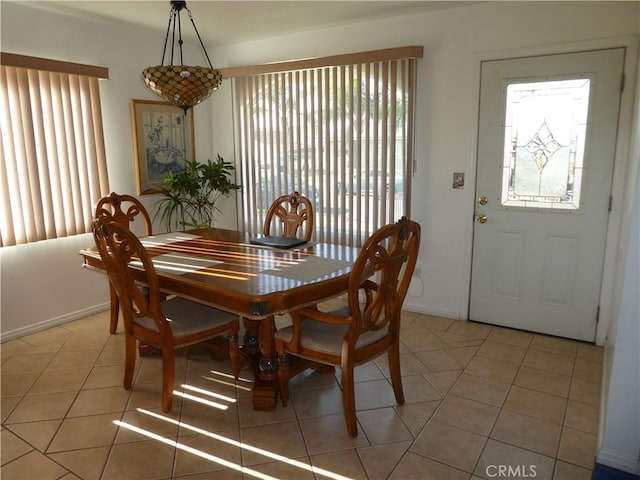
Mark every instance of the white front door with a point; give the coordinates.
(546, 145)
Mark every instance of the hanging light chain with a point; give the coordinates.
(198, 34)
(166, 37)
(180, 42)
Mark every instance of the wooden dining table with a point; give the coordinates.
(222, 268)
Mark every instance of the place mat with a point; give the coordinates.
(166, 238)
(179, 263)
(308, 268)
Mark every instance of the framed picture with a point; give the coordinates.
(162, 140)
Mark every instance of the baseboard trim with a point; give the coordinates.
(408, 306)
(52, 322)
(618, 462)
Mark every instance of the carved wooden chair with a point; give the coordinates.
(290, 216)
(126, 210)
(165, 325)
(368, 327)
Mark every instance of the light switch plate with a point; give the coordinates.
(458, 180)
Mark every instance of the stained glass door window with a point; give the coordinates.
(545, 127)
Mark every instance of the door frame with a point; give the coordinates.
(623, 182)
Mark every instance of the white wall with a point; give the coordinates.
(447, 104)
(43, 283)
(620, 419)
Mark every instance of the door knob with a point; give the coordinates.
(481, 218)
(483, 200)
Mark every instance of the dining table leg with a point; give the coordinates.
(263, 359)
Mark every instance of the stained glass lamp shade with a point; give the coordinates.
(181, 85)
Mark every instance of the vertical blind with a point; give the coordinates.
(52, 156)
(340, 134)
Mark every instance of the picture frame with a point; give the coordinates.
(163, 141)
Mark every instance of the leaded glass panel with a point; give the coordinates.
(545, 127)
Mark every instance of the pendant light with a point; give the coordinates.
(179, 84)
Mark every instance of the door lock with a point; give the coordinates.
(483, 200)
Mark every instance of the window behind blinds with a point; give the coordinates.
(340, 134)
(52, 159)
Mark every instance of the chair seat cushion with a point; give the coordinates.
(327, 338)
(187, 317)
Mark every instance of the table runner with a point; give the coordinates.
(166, 238)
(179, 263)
(308, 268)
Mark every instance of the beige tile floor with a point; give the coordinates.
(478, 399)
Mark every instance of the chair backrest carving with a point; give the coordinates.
(381, 276)
(113, 208)
(290, 216)
(118, 247)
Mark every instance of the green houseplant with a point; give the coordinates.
(189, 198)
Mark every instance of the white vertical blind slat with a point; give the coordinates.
(42, 83)
(39, 138)
(326, 161)
(246, 136)
(375, 151)
(64, 130)
(332, 148)
(340, 150)
(384, 146)
(366, 156)
(20, 185)
(247, 146)
(264, 135)
(8, 227)
(314, 157)
(357, 151)
(273, 146)
(287, 162)
(250, 147)
(86, 134)
(296, 133)
(240, 133)
(98, 170)
(7, 235)
(284, 181)
(75, 149)
(305, 135)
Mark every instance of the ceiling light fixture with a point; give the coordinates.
(181, 85)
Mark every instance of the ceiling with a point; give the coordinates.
(227, 22)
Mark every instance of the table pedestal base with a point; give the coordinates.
(265, 395)
(259, 351)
